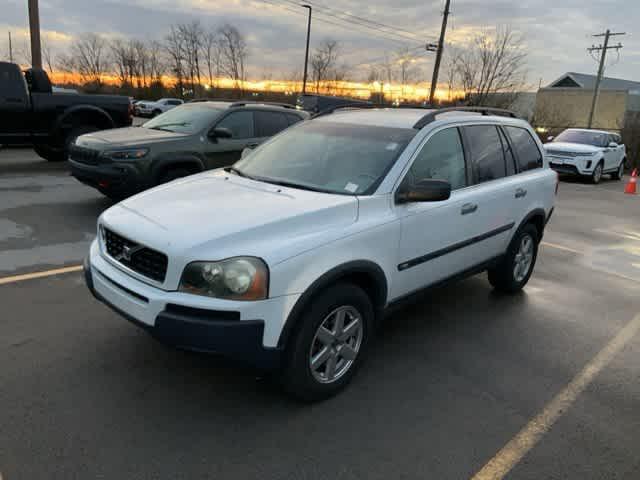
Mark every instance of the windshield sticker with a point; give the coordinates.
(392, 147)
(351, 187)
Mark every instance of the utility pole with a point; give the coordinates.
(10, 48)
(436, 67)
(34, 27)
(306, 54)
(603, 56)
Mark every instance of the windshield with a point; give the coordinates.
(331, 157)
(188, 119)
(596, 139)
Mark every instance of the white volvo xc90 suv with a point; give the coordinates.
(289, 258)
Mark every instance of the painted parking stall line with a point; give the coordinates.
(43, 274)
(514, 451)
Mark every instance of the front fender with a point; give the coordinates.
(162, 162)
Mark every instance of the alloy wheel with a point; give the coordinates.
(336, 344)
(523, 259)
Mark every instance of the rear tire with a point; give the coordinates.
(317, 338)
(515, 269)
(619, 173)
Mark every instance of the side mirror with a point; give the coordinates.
(426, 190)
(220, 132)
(550, 138)
(246, 151)
(613, 145)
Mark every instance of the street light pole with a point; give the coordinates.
(34, 27)
(436, 67)
(306, 54)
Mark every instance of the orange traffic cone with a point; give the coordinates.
(630, 187)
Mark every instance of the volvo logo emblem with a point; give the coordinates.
(128, 252)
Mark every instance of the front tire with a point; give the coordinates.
(329, 344)
(515, 269)
(49, 153)
(155, 113)
(596, 176)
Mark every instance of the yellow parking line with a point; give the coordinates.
(560, 247)
(511, 454)
(32, 276)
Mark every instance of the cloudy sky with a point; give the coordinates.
(557, 32)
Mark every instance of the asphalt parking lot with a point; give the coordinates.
(463, 383)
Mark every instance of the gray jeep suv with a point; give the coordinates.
(185, 140)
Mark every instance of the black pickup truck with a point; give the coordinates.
(30, 113)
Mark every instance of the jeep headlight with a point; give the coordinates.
(238, 278)
(130, 154)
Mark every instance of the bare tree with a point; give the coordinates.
(174, 47)
(192, 39)
(211, 54)
(493, 63)
(88, 57)
(233, 53)
(157, 66)
(48, 56)
(123, 59)
(323, 62)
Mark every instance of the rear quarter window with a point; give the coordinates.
(528, 155)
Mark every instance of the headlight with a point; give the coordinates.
(132, 154)
(584, 154)
(239, 278)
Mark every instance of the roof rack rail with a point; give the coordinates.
(432, 116)
(251, 102)
(356, 106)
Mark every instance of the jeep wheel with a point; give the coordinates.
(596, 176)
(515, 269)
(329, 343)
(49, 153)
(155, 113)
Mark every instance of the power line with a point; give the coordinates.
(344, 23)
(393, 29)
(602, 48)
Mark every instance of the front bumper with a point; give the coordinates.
(117, 178)
(573, 166)
(175, 320)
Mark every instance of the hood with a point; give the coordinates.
(571, 147)
(126, 137)
(215, 215)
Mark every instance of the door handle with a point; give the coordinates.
(521, 193)
(468, 208)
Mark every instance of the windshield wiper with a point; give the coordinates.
(284, 183)
(240, 173)
(165, 125)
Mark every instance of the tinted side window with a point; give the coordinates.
(508, 154)
(174, 102)
(293, 118)
(442, 158)
(270, 123)
(13, 83)
(486, 152)
(240, 124)
(529, 156)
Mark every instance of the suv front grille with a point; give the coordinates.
(557, 153)
(140, 259)
(84, 155)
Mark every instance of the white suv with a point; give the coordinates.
(153, 109)
(289, 258)
(589, 153)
